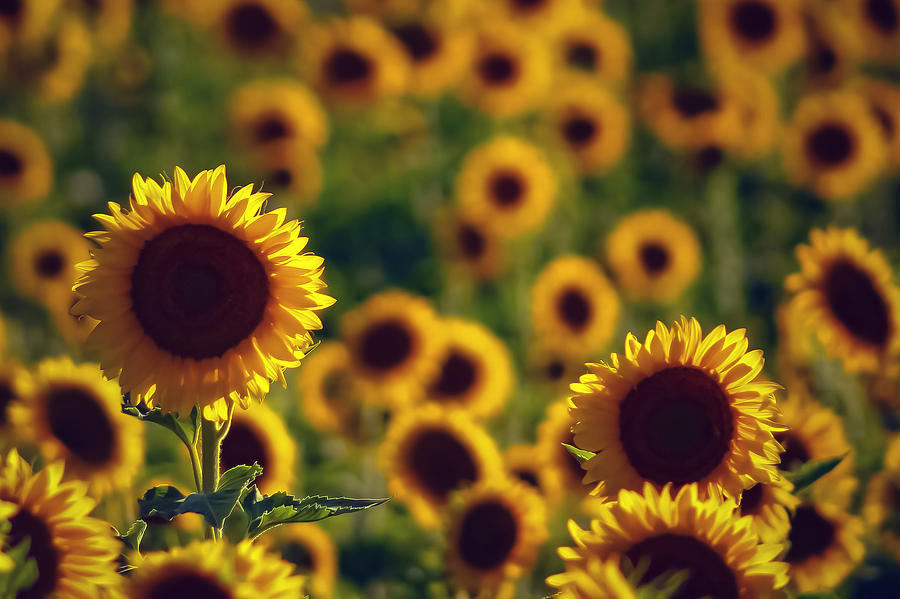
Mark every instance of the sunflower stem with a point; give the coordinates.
(210, 449)
(195, 465)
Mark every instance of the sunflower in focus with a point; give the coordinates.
(825, 546)
(431, 451)
(845, 293)
(394, 340)
(203, 299)
(43, 258)
(522, 463)
(310, 549)
(438, 53)
(834, 45)
(884, 101)
(75, 554)
(26, 171)
(878, 22)
(767, 34)
(328, 391)
(589, 122)
(678, 408)
(561, 475)
(71, 413)
(259, 435)
(470, 247)
(292, 169)
(510, 73)
(270, 111)
(770, 506)
(257, 28)
(354, 61)
(597, 578)
(573, 302)
(213, 569)
(655, 255)
(475, 370)
(109, 21)
(494, 530)
(593, 43)
(720, 554)
(834, 145)
(507, 186)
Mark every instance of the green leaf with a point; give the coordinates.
(23, 574)
(134, 534)
(266, 512)
(239, 477)
(579, 454)
(167, 502)
(184, 428)
(812, 471)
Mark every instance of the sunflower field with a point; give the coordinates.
(449, 299)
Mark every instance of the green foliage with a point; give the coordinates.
(134, 534)
(184, 428)
(812, 471)
(579, 454)
(23, 573)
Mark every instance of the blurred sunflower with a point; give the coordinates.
(471, 248)
(770, 506)
(10, 370)
(767, 34)
(833, 144)
(678, 408)
(878, 22)
(2, 335)
(310, 549)
(494, 530)
(884, 101)
(655, 255)
(26, 171)
(267, 111)
(759, 111)
(394, 340)
(71, 413)
(292, 169)
(74, 553)
(590, 123)
(257, 28)
(259, 435)
(845, 293)
(328, 390)
(545, 16)
(596, 578)
(593, 43)
(825, 546)
(213, 569)
(882, 499)
(203, 299)
(438, 54)
(561, 475)
(475, 370)
(553, 366)
(522, 463)
(23, 23)
(73, 329)
(834, 45)
(720, 554)
(510, 73)
(43, 258)
(386, 10)
(109, 21)
(574, 303)
(354, 61)
(431, 451)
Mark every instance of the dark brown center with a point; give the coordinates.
(497, 69)
(80, 423)
(795, 453)
(281, 177)
(10, 164)
(299, 554)
(707, 573)
(754, 21)
(822, 59)
(528, 4)
(555, 369)
(386, 345)
(527, 476)
(419, 41)
(198, 291)
(574, 308)
(242, 445)
(583, 55)
(886, 120)
(884, 15)
(347, 66)
(676, 425)
(691, 102)
(270, 128)
(507, 188)
(440, 462)
(471, 241)
(578, 131)
(810, 535)
(250, 25)
(709, 158)
(11, 10)
(830, 144)
(856, 303)
(25, 525)
(187, 585)
(751, 499)
(654, 257)
(6, 396)
(48, 264)
(487, 536)
(458, 375)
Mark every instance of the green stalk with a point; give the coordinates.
(210, 449)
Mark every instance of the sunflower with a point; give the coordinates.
(23, 23)
(26, 172)
(274, 110)
(258, 28)
(293, 169)
(884, 101)
(758, 108)
(845, 293)
(545, 16)
(430, 451)
(877, 22)
(74, 329)
(73, 414)
(202, 299)
(593, 43)
(833, 145)
(109, 20)
(214, 569)
(475, 370)
(720, 554)
(470, 247)
(654, 254)
(259, 435)
(680, 408)
(511, 70)
(10, 371)
(74, 553)
(438, 53)
(573, 302)
(835, 46)
(394, 342)
(354, 60)
(825, 546)
(552, 365)
(386, 10)
(507, 186)
(43, 258)
(310, 549)
(767, 34)
(882, 500)
(523, 464)
(589, 122)
(329, 391)
(597, 578)
(796, 347)
(560, 475)
(770, 506)
(494, 530)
